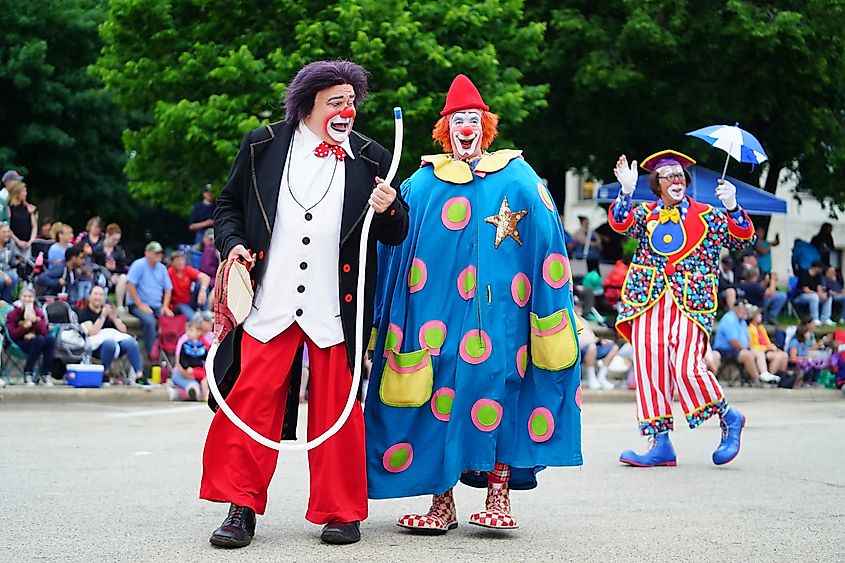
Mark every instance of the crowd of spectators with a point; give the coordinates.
(43, 260)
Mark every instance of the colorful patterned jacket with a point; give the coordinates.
(678, 250)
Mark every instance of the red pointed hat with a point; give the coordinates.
(463, 95)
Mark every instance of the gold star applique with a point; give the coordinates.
(506, 222)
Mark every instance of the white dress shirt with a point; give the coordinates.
(301, 279)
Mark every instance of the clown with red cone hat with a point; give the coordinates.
(476, 354)
(669, 301)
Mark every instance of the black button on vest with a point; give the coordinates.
(303, 266)
(306, 240)
(308, 216)
(299, 312)
(301, 289)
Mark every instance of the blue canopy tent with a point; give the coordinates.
(703, 189)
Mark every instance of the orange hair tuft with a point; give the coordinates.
(489, 130)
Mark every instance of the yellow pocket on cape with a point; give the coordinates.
(553, 343)
(407, 379)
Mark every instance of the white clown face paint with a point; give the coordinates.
(333, 114)
(465, 133)
(673, 184)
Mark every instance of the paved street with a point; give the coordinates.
(118, 482)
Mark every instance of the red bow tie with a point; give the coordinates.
(323, 150)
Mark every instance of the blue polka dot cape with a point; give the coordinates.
(476, 356)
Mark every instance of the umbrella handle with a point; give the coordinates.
(727, 160)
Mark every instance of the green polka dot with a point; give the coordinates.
(524, 362)
(457, 212)
(487, 415)
(434, 338)
(443, 404)
(398, 458)
(469, 282)
(521, 290)
(475, 346)
(556, 270)
(539, 425)
(390, 340)
(416, 275)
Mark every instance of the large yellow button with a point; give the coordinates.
(667, 238)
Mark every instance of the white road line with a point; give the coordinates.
(154, 412)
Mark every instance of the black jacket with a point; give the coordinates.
(245, 213)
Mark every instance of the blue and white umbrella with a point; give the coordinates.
(738, 143)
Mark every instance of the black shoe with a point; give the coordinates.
(237, 529)
(341, 532)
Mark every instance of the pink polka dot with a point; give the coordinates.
(476, 347)
(521, 285)
(467, 282)
(432, 335)
(556, 270)
(398, 458)
(578, 396)
(441, 403)
(486, 414)
(545, 196)
(393, 340)
(417, 276)
(456, 213)
(541, 424)
(522, 360)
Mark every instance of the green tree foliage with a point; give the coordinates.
(632, 76)
(204, 72)
(58, 126)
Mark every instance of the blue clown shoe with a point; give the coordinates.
(732, 423)
(661, 453)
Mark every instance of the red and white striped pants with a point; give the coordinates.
(669, 353)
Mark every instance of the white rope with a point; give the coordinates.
(359, 330)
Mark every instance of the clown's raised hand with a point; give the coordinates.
(627, 175)
(726, 192)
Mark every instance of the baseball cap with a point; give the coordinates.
(153, 246)
(11, 175)
(206, 188)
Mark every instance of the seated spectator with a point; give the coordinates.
(823, 242)
(210, 259)
(811, 293)
(202, 214)
(763, 294)
(108, 335)
(712, 359)
(763, 250)
(190, 369)
(22, 219)
(63, 234)
(44, 239)
(732, 341)
(770, 359)
(727, 285)
(801, 358)
(45, 230)
(613, 282)
(832, 283)
(112, 257)
(190, 286)
(27, 326)
(9, 261)
(595, 352)
(149, 289)
(64, 278)
(93, 233)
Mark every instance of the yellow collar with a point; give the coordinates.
(458, 171)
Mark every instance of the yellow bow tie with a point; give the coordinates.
(667, 215)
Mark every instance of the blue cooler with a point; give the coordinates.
(85, 375)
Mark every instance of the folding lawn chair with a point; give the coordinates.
(170, 329)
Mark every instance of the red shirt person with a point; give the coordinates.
(190, 286)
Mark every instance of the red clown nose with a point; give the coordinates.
(347, 112)
(466, 131)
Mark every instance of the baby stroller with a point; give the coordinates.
(71, 341)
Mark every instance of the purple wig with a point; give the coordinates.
(319, 75)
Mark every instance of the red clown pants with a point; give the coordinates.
(237, 469)
(669, 353)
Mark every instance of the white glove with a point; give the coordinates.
(627, 175)
(726, 192)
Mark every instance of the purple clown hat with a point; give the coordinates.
(666, 158)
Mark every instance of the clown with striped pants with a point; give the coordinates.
(669, 301)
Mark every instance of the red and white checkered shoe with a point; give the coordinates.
(441, 517)
(498, 513)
